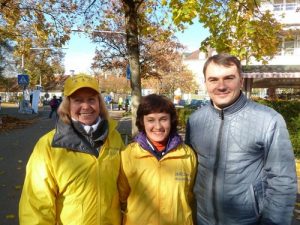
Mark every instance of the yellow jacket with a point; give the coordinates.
(69, 187)
(157, 192)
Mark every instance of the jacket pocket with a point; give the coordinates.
(257, 197)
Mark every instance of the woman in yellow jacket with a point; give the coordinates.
(71, 176)
(157, 169)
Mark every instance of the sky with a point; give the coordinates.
(80, 50)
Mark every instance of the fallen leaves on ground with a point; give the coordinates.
(9, 123)
(10, 216)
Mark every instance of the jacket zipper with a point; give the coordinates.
(98, 189)
(158, 188)
(214, 194)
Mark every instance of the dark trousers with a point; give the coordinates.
(52, 111)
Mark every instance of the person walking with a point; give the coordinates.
(127, 104)
(157, 169)
(120, 103)
(54, 103)
(246, 169)
(71, 175)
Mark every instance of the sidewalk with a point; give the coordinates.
(15, 149)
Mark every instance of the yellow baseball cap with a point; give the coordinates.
(76, 82)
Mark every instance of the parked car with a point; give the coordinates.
(197, 103)
(181, 104)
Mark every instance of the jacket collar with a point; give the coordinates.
(173, 142)
(234, 107)
(73, 136)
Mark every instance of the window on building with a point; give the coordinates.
(289, 45)
(298, 41)
(278, 5)
(284, 5)
(290, 5)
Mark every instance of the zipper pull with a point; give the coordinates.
(221, 115)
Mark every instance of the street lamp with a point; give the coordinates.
(39, 49)
(99, 31)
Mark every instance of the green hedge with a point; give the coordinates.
(290, 110)
(183, 115)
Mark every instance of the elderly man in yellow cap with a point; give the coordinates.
(71, 176)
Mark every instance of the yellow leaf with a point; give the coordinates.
(10, 216)
(18, 187)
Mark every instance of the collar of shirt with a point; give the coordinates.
(88, 129)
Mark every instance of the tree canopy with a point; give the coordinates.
(236, 27)
(40, 23)
(35, 24)
(158, 48)
(135, 22)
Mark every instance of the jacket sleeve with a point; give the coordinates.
(280, 172)
(37, 204)
(123, 186)
(192, 199)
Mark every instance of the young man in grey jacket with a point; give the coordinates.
(246, 169)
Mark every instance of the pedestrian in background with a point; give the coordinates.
(246, 167)
(71, 176)
(60, 99)
(127, 104)
(158, 169)
(54, 103)
(120, 103)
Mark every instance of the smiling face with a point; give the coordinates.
(223, 84)
(84, 106)
(157, 126)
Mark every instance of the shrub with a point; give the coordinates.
(183, 115)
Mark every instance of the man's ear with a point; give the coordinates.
(242, 81)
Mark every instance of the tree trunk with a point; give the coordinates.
(132, 41)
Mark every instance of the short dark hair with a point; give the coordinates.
(154, 103)
(223, 59)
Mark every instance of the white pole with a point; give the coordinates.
(22, 66)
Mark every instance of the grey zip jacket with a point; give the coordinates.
(246, 167)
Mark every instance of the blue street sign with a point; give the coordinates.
(128, 72)
(23, 79)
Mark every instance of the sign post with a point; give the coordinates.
(24, 105)
(23, 79)
(128, 72)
